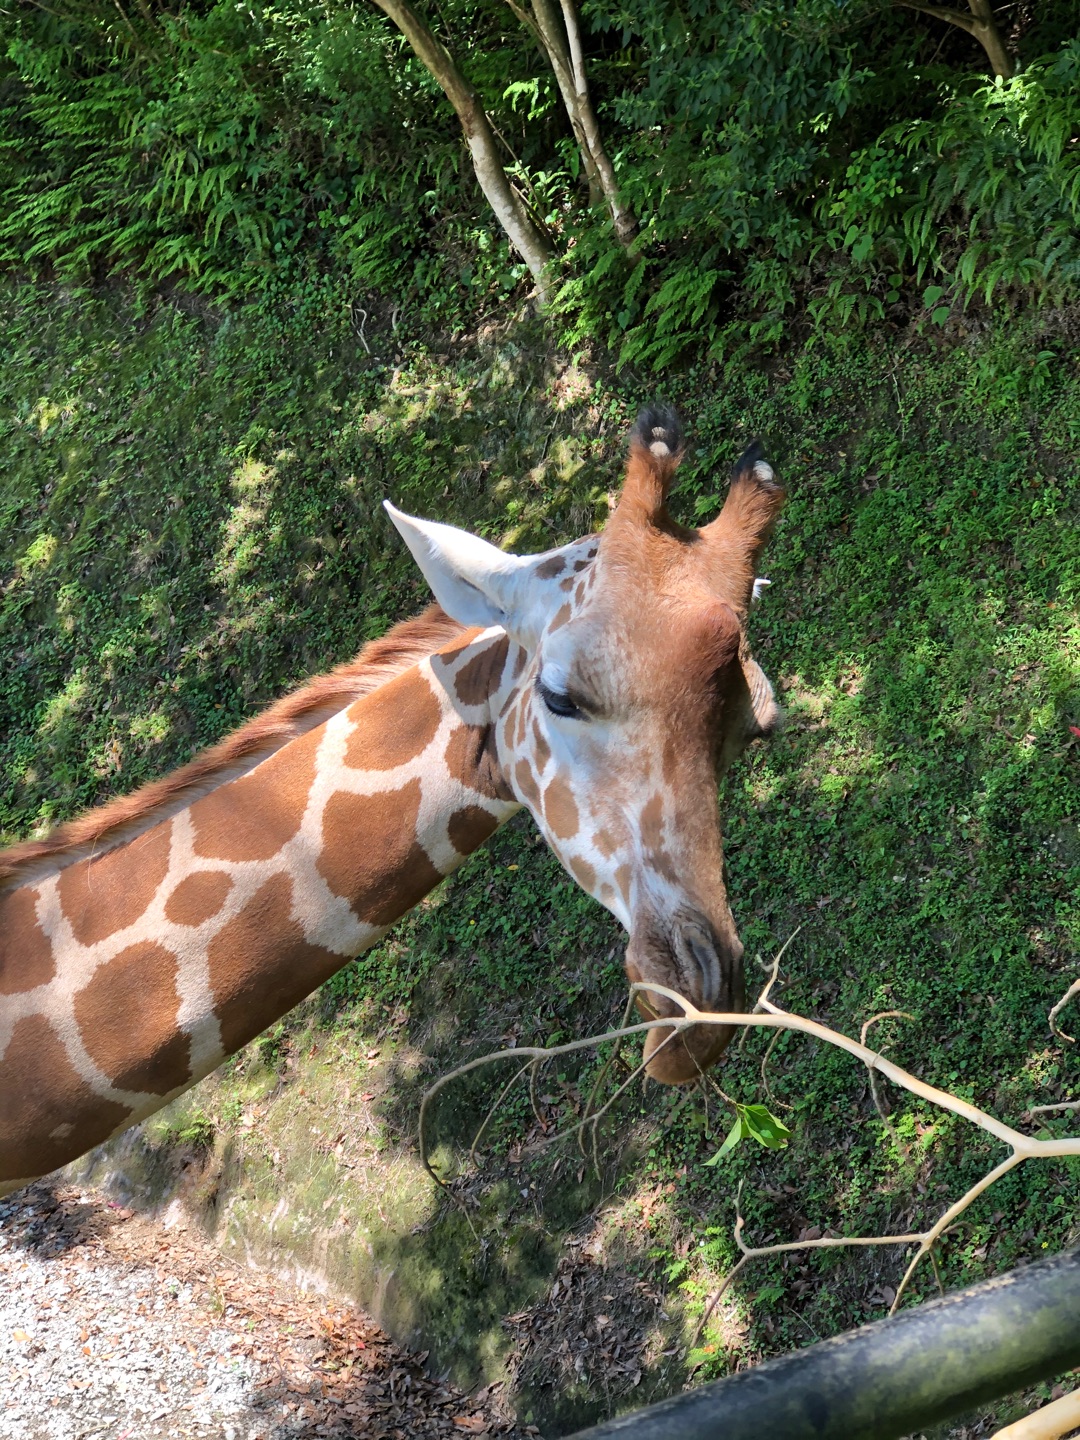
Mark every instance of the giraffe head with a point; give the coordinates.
(633, 690)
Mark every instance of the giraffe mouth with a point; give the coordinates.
(690, 958)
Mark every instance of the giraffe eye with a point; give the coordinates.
(558, 702)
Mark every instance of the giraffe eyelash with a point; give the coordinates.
(559, 703)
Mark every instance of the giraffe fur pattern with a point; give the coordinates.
(605, 685)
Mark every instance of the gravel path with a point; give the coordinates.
(115, 1326)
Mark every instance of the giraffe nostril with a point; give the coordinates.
(700, 947)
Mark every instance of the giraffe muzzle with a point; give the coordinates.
(699, 958)
(692, 958)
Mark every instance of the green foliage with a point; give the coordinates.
(784, 157)
(753, 1122)
(189, 524)
(818, 156)
(194, 1128)
(985, 195)
(239, 149)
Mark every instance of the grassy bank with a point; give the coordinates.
(189, 523)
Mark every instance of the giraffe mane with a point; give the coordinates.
(127, 816)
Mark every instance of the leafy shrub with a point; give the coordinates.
(769, 168)
(839, 158)
(984, 197)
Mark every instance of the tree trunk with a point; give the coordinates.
(980, 23)
(622, 217)
(560, 41)
(527, 238)
(991, 39)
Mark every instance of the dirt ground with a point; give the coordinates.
(116, 1326)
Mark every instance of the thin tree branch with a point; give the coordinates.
(939, 12)
(1022, 1147)
(980, 23)
(1074, 989)
(1050, 1109)
(533, 246)
(622, 217)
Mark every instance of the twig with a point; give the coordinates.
(882, 1112)
(1074, 989)
(773, 969)
(1050, 1109)
(491, 1112)
(1050, 1422)
(755, 1252)
(358, 330)
(597, 1087)
(1022, 1147)
(764, 1078)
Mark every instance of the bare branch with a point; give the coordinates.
(1074, 989)
(939, 12)
(878, 1102)
(1050, 1109)
(1022, 1147)
(492, 1110)
(979, 22)
(1051, 1422)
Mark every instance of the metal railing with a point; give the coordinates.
(888, 1379)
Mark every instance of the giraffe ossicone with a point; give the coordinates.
(605, 685)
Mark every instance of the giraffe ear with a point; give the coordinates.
(475, 582)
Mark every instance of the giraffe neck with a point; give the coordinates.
(126, 978)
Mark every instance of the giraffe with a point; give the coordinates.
(604, 685)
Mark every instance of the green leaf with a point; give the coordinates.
(932, 294)
(755, 1121)
(862, 248)
(735, 1134)
(940, 315)
(763, 1125)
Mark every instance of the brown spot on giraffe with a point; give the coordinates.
(652, 839)
(398, 722)
(526, 783)
(461, 642)
(541, 749)
(548, 569)
(478, 678)
(583, 872)
(470, 756)
(253, 817)
(652, 823)
(509, 721)
(520, 658)
(560, 809)
(567, 585)
(197, 897)
(26, 957)
(469, 827)
(261, 965)
(562, 615)
(622, 879)
(46, 1100)
(670, 761)
(371, 855)
(606, 843)
(127, 1019)
(102, 896)
(581, 564)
